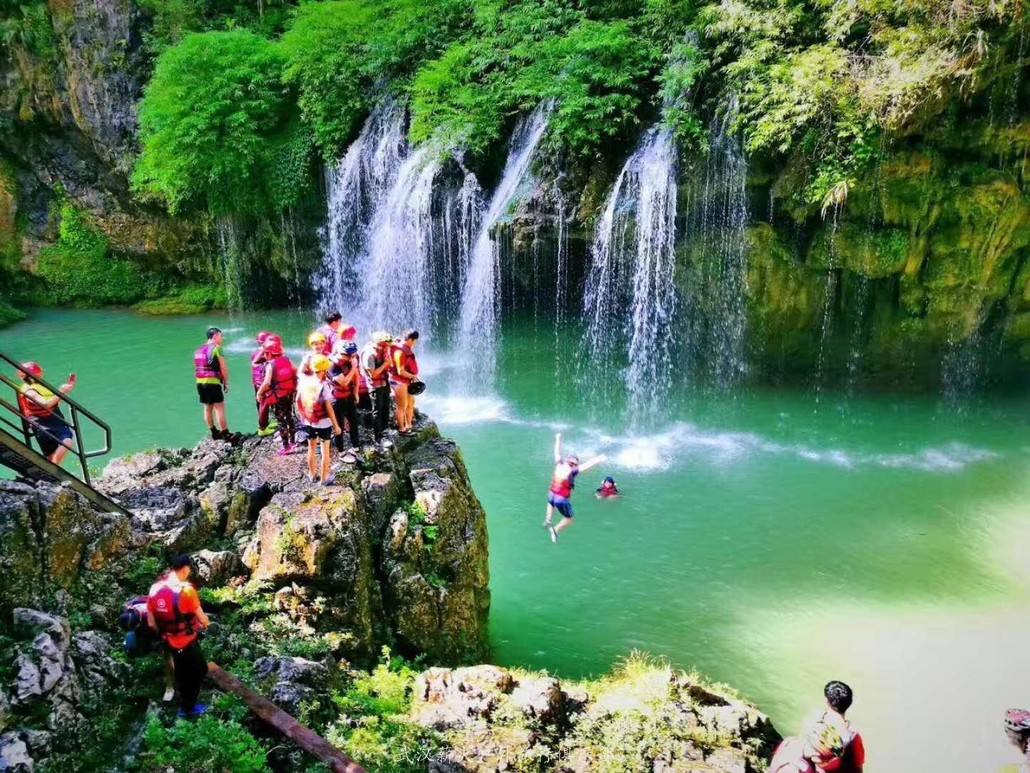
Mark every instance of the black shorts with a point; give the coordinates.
(210, 394)
(51, 433)
(307, 432)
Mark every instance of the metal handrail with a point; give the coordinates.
(75, 408)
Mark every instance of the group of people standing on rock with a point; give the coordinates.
(325, 398)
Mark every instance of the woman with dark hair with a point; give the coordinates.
(1017, 728)
(403, 371)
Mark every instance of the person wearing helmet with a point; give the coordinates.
(829, 744)
(277, 391)
(608, 490)
(563, 481)
(1017, 728)
(404, 370)
(42, 410)
(212, 383)
(345, 375)
(375, 364)
(318, 423)
(317, 343)
(257, 376)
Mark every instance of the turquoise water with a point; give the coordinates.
(769, 540)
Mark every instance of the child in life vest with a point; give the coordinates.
(318, 422)
(608, 489)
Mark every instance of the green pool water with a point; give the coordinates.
(767, 539)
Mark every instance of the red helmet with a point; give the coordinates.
(30, 369)
(272, 345)
(263, 336)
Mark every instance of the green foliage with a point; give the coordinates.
(175, 19)
(340, 54)
(374, 728)
(28, 26)
(824, 83)
(596, 73)
(79, 269)
(191, 299)
(9, 315)
(206, 745)
(211, 123)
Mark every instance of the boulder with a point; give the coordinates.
(446, 699)
(294, 680)
(540, 699)
(382, 491)
(217, 567)
(14, 755)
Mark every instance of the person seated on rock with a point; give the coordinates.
(277, 391)
(829, 745)
(42, 409)
(141, 639)
(318, 423)
(563, 481)
(257, 376)
(608, 489)
(1017, 728)
(175, 612)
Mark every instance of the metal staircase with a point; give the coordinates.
(17, 453)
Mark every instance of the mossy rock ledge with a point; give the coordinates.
(306, 586)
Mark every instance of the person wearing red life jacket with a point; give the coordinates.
(345, 375)
(174, 611)
(212, 383)
(563, 481)
(375, 364)
(829, 743)
(277, 391)
(403, 371)
(257, 376)
(318, 423)
(42, 410)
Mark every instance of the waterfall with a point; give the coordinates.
(356, 187)
(480, 301)
(716, 234)
(630, 297)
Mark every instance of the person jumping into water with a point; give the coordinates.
(563, 481)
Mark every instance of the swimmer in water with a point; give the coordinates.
(563, 481)
(608, 490)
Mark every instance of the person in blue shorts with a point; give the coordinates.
(563, 481)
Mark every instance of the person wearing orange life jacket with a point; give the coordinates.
(277, 391)
(563, 481)
(41, 409)
(345, 375)
(318, 423)
(257, 376)
(375, 365)
(174, 611)
(403, 371)
(212, 382)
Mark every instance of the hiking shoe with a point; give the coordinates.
(269, 430)
(169, 695)
(553, 533)
(349, 458)
(198, 711)
(329, 482)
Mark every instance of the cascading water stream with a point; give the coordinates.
(356, 187)
(717, 225)
(480, 302)
(630, 297)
